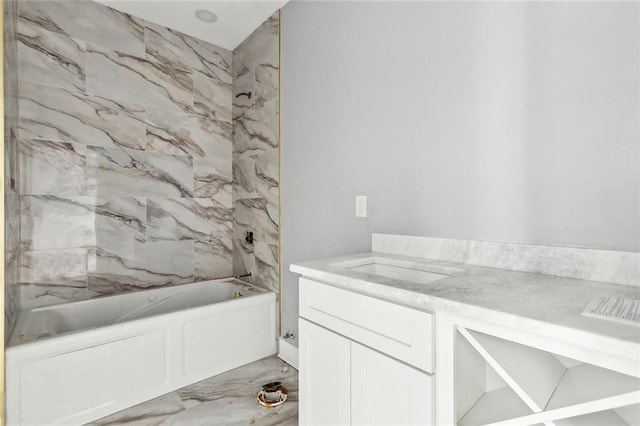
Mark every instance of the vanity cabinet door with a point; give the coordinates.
(385, 391)
(324, 376)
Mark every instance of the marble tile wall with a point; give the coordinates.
(11, 180)
(125, 143)
(256, 155)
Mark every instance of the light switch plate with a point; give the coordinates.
(361, 206)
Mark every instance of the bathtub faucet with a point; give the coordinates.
(248, 274)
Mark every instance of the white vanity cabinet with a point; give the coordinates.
(385, 391)
(324, 376)
(363, 360)
(512, 346)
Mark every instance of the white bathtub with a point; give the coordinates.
(77, 362)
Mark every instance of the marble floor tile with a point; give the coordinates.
(147, 413)
(225, 399)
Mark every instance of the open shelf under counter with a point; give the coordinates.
(513, 362)
(602, 418)
(586, 382)
(493, 406)
(506, 383)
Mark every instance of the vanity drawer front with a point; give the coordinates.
(400, 332)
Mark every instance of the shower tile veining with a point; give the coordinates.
(119, 154)
(228, 399)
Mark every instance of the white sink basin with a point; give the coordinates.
(416, 272)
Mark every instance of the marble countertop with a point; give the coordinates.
(543, 304)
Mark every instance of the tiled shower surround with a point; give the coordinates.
(12, 197)
(126, 148)
(256, 154)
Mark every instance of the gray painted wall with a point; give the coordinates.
(495, 121)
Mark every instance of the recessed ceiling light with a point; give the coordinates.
(206, 16)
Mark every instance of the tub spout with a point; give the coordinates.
(248, 274)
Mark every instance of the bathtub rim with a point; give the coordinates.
(172, 326)
(86, 334)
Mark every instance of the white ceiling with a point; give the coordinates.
(236, 18)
